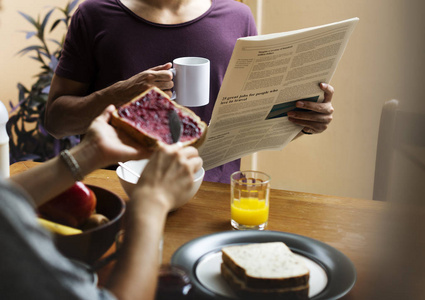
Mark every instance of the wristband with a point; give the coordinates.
(72, 164)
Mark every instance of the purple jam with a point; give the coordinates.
(150, 115)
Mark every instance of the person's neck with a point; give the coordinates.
(161, 4)
(168, 11)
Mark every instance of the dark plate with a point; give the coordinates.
(340, 271)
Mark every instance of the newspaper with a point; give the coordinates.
(266, 75)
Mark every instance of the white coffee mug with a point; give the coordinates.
(191, 76)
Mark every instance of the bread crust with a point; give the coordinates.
(239, 287)
(149, 141)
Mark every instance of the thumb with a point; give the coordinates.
(166, 66)
(107, 112)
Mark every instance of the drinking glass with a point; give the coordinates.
(249, 200)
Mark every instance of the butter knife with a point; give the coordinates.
(175, 125)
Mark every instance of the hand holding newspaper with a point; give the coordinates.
(266, 75)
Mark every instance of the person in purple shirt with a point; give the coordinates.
(116, 49)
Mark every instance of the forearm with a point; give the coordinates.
(72, 114)
(45, 181)
(51, 178)
(70, 110)
(136, 271)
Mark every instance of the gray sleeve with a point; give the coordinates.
(105, 295)
(30, 265)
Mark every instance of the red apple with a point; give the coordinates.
(72, 207)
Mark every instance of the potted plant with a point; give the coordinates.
(28, 138)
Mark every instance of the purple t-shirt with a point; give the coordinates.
(106, 43)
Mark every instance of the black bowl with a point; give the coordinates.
(90, 245)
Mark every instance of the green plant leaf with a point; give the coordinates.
(56, 23)
(32, 120)
(35, 58)
(29, 34)
(26, 125)
(44, 54)
(45, 20)
(46, 90)
(29, 19)
(21, 87)
(53, 62)
(71, 6)
(28, 49)
(59, 44)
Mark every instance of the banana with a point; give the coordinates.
(58, 228)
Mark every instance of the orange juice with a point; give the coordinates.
(249, 211)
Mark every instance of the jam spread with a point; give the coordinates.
(150, 115)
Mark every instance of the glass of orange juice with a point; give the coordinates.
(249, 200)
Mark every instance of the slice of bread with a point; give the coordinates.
(293, 293)
(145, 118)
(269, 270)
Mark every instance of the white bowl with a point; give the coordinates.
(128, 181)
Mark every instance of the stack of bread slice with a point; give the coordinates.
(265, 271)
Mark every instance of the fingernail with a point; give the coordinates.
(300, 104)
(323, 85)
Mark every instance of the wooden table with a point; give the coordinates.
(346, 224)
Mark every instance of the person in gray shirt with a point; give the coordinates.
(30, 265)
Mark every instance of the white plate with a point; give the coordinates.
(208, 273)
